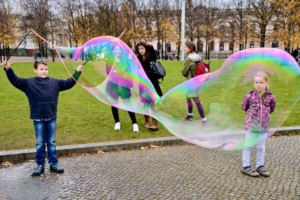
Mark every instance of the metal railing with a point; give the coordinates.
(4, 53)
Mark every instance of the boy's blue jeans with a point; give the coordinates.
(45, 133)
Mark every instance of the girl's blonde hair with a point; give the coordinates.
(264, 76)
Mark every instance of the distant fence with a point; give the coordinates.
(221, 55)
(4, 53)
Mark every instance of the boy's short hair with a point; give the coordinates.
(40, 60)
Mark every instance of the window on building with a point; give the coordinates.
(221, 46)
(212, 46)
(274, 43)
(200, 46)
(168, 47)
(241, 46)
(231, 45)
(251, 44)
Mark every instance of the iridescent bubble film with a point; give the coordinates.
(222, 92)
(114, 76)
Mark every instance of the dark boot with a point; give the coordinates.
(154, 125)
(38, 170)
(56, 168)
(147, 121)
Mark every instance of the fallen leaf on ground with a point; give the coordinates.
(6, 163)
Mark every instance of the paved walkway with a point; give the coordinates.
(173, 172)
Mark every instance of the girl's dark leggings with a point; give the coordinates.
(198, 104)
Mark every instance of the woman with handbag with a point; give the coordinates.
(188, 70)
(146, 55)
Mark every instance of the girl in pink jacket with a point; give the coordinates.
(258, 104)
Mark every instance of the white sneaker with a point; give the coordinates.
(135, 128)
(117, 126)
(204, 119)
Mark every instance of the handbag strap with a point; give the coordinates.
(192, 75)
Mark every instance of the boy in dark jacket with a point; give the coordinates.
(42, 93)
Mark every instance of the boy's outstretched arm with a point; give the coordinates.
(70, 82)
(18, 82)
(80, 68)
(6, 65)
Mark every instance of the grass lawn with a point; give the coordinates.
(81, 117)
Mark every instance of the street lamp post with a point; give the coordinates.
(182, 29)
(53, 60)
(46, 3)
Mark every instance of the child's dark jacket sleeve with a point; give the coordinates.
(20, 83)
(68, 83)
(273, 104)
(246, 103)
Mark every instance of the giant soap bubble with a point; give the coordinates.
(114, 76)
(222, 93)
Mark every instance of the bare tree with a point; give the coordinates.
(8, 24)
(37, 17)
(176, 16)
(237, 23)
(263, 13)
(107, 17)
(287, 25)
(128, 12)
(85, 20)
(160, 8)
(191, 19)
(210, 17)
(146, 19)
(69, 14)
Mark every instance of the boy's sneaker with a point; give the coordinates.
(189, 118)
(261, 169)
(135, 128)
(250, 172)
(117, 126)
(56, 168)
(38, 170)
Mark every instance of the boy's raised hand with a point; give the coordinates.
(80, 68)
(6, 65)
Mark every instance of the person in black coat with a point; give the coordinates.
(146, 54)
(295, 55)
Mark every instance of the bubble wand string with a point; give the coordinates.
(18, 45)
